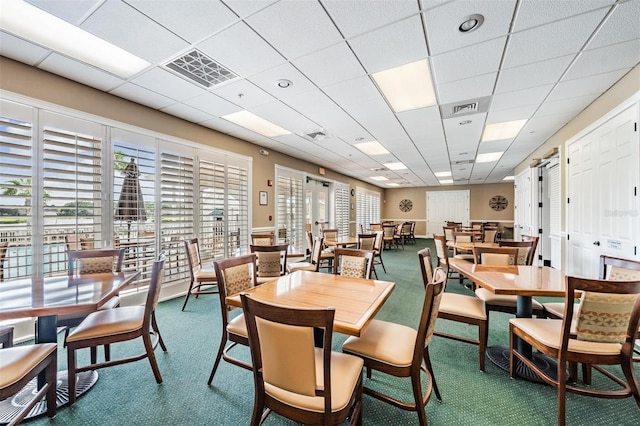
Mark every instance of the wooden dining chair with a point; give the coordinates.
(353, 262)
(459, 308)
(316, 260)
(526, 250)
(490, 234)
(603, 333)
(119, 325)
(263, 238)
(402, 351)
(292, 377)
(389, 237)
(368, 242)
(443, 257)
(463, 237)
(21, 364)
(202, 278)
(91, 262)
(271, 261)
(6, 336)
(235, 275)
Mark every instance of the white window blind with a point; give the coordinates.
(237, 208)
(72, 187)
(290, 220)
(342, 208)
(367, 207)
(16, 171)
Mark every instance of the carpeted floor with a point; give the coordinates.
(128, 394)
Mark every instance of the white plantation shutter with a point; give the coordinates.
(367, 207)
(16, 196)
(237, 206)
(342, 208)
(290, 218)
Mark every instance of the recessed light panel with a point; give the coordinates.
(407, 87)
(488, 157)
(501, 131)
(446, 181)
(393, 184)
(257, 124)
(442, 174)
(379, 178)
(372, 148)
(395, 166)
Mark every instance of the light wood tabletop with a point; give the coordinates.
(356, 300)
(342, 242)
(470, 246)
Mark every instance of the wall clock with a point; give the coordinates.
(353, 192)
(406, 205)
(498, 203)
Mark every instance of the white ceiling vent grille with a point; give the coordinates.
(457, 163)
(201, 69)
(465, 108)
(470, 106)
(317, 135)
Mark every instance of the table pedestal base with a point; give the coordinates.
(499, 355)
(10, 406)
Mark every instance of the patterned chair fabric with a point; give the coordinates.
(352, 266)
(96, 265)
(237, 279)
(604, 318)
(269, 264)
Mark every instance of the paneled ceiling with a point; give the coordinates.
(543, 61)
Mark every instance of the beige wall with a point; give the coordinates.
(479, 196)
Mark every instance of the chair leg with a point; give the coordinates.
(483, 335)
(156, 330)
(223, 342)
(382, 263)
(562, 392)
(629, 374)
(427, 361)
(186, 299)
(417, 396)
(51, 377)
(148, 345)
(107, 352)
(71, 374)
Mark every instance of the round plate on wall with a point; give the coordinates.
(353, 192)
(405, 205)
(498, 203)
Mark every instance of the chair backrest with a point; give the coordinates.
(463, 237)
(95, 261)
(283, 353)
(263, 239)
(235, 274)
(4, 247)
(367, 241)
(153, 293)
(441, 250)
(375, 226)
(613, 268)
(352, 263)
(430, 306)
(426, 267)
(78, 242)
(271, 260)
(498, 256)
(330, 234)
(457, 225)
(448, 232)
(192, 249)
(389, 231)
(490, 234)
(525, 250)
(609, 312)
(405, 229)
(379, 242)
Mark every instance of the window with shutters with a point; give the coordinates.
(342, 208)
(367, 207)
(290, 219)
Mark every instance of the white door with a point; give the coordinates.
(523, 224)
(317, 203)
(603, 179)
(443, 206)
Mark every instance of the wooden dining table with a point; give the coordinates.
(356, 300)
(524, 282)
(48, 297)
(342, 242)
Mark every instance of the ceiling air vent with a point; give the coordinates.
(466, 107)
(201, 69)
(457, 163)
(317, 135)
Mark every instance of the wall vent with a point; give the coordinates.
(201, 69)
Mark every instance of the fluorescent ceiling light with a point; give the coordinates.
(446, 181)
(257, 124)
(372, 148)
(378, 178)
(35, 25)
(442, 174)
(509, 178)
(408, 86)
(500, 131)
(393, 184)
(395, 166)
(488, 157)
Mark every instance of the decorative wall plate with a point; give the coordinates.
(498, 203)
(406, 205)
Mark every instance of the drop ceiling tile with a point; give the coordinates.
(212, 104)
(494, 146)
(330, 65)
(621, 25)
(192, 20)
(356, 17)
(308, 28)
(162, 81)
(310, 102)
(280, 114)
(354, 91)
(511, 114)
(77, 71)
(241, 50)
(442, 23)
(597, 61)
(391, 46)
(519, 98)
(463, 140)
(586, 85)
(142, 96)
(73, 11)
(244, 8)
(268, 80)
(533, 13)
(368, 112)
(468, 88)
(541, 43)
(532, 75)
(114, 21)
(186, 112)
(243, 93)
(468, 62)
(20, 50)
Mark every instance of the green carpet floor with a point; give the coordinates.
(128, 394)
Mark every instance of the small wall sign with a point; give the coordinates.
(263, 198)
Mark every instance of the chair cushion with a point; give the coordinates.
(205, 274)
(557, 309)
(345, 373)
(549, 332)
(468, 257)
(238, 326)
(16, 362)
(300, 266)
(502, 299)
(386, 342)
(108, 323)
(462, 305)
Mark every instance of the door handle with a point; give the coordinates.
(596, 243)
